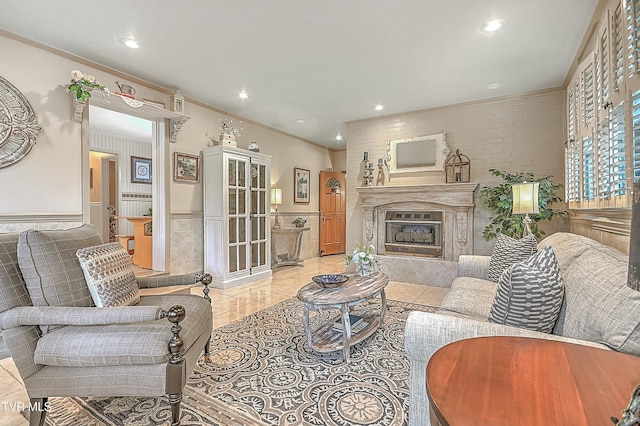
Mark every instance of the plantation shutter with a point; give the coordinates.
(635, 157)
(632, 39)
(603, 67)
(618, 53)
(619, 157)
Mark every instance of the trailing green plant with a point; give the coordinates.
(82, 85)
(499, 199)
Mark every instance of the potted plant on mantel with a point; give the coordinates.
(499, 199)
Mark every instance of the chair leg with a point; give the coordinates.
(37, 411)
(207, 347)
(175, 399)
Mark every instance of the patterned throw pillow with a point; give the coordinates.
(109, 273)
(508, 251)
(530, 293)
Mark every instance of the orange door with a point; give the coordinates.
(332, 212)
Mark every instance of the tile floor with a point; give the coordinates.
(230, 305)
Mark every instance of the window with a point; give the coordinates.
(602, 154)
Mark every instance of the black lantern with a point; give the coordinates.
(457, 168)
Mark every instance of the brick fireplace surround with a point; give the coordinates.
(455, 200)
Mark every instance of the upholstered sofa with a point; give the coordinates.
(63, 345)
(598, 310)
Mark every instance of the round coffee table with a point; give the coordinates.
(355, 291)
(522, 381)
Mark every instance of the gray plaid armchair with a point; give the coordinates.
(62, 345)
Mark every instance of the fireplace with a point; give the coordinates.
(433, 221)
(413, 233)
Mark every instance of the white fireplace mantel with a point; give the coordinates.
(448, 194)
(456, 200)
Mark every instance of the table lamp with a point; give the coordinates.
(276, 198)
(525, 201)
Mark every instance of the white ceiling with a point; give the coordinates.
(326, 62)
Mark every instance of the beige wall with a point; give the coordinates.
(518, 134)
(45, 189)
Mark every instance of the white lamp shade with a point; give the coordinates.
(276, 196)
(525, 197)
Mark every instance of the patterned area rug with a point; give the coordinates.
(262, 373)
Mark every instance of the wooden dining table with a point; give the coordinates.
(524, 381)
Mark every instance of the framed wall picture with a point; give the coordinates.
(140, 170)
(186, 167)
(301, 185)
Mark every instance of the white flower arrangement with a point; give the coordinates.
(364, 259)
(227, 129)
(83, 84)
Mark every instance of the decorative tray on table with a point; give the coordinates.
(330, 280)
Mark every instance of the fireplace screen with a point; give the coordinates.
(414, 233)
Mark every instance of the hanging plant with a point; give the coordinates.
(499, 199)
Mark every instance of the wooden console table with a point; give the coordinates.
(523, 381)
(291, 240)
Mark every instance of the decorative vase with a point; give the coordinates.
(364, 270)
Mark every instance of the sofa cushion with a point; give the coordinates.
(469, 296)
(530, 293)
(508, 251)
(13, 291)
(109, 273)
(125, 344)
(567, 247)
(599, 306)
(50, 267)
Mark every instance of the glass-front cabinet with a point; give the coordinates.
(236, 215)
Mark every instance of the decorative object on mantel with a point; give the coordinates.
(82, 85)
(499, 199)
(367, 176)
(457, 168)
(126, 90)
(145, 110)
(364, 258)
(380, 178)
(299, 222)
(228, 133)
(177, 102)
(18, 125)
(254, 147)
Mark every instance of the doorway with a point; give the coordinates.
(116, 141)
(332, 213)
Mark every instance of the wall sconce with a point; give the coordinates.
(457, 168)
(525, 201)
(276, 199)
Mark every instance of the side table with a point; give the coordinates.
(522, 381)
(285, 246)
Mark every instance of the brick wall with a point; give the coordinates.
(523, 133)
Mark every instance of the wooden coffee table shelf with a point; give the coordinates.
(521, 381)
(345, 298)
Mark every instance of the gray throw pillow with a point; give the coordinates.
(109, 273)
(508, 251)
(530, 293)
(50, 267)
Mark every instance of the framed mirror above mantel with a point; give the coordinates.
(419, 154)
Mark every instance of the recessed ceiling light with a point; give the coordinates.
(378, 107)
(338, 137)
(243, 95)
(130, 43)
(494, 86)
(492, 26)
(301, 120)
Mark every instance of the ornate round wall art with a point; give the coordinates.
(18, 125)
